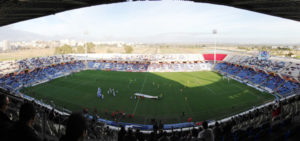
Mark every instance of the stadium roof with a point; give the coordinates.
(12, 11)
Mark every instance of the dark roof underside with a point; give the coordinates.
(12, 11)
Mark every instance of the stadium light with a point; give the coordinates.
(214, 32)
(85, 44)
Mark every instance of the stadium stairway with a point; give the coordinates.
(276, 89)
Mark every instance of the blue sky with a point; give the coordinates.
(183, 22)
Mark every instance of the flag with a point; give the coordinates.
(99, 93)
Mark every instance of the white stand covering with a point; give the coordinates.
(146, 96)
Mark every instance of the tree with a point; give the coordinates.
(128, 49)
(57, 50)
(109, 51)
(290, 54)
(80, 49)
(65, 49)
(90, 48)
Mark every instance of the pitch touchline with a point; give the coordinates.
(140, 92)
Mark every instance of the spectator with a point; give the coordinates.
(152, 136)
(139, 135)
(217, 132)
(76, 128)
(155, 127)
(160, 125)
(121, 134)
(206, 134)
(164, 137)
(52, 115)
(129, 136)
(5, 122)
(22, 129)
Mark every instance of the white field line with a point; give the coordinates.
(140, 92)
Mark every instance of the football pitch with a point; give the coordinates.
(198, 95)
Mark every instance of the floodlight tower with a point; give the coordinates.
(214, 32)
(85, 44)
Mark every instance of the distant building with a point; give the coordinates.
(5, 45)
(68, 42)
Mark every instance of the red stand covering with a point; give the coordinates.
(210, 57)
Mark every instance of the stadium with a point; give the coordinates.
(239, 96)
(188, 83)
(160, 83)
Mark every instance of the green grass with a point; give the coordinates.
(205, 95)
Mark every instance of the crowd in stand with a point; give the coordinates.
(271, 81)
(39, 62)
(260, 123)
(19, 123)
(143, 57)
(27, 120)
(39, 69)
(27, 78)
(153, 67)
(42, 68)
(282, 67)
(21, 119)
(8, 67)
